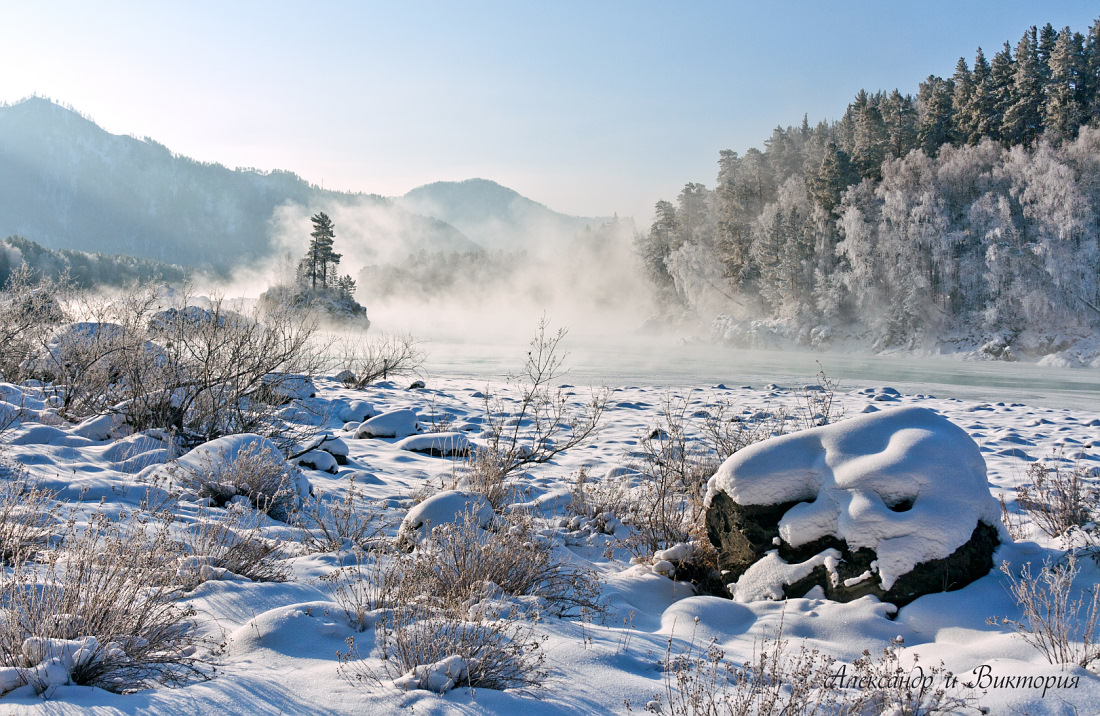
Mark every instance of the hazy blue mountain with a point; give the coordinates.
(67, 183)
(493, 215)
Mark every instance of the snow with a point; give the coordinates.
(447, 507)
(442, 444)
(393, 424)
(850, 474)
(318, 460)
(282, 639)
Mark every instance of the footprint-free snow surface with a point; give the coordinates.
(275, 645)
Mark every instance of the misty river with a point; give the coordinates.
(637, 361)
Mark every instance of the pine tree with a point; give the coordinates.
(1044, 49)
(833, 176)
(962, 99)
(937, 118)
(869, 147)
(320, 255)
(1023, 119)
(900, 115)
(1090, 85)
(1062, 111)
(1002, 80)
(981, 112)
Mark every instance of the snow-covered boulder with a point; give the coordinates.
(355, 411)
(394, 424)
(318, 460)
(448, 507)
(102, 427)
(285, 387)
(335, 447)
(437, 444)
(893, 503)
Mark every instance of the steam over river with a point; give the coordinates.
(635, 361)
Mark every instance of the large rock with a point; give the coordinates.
(894, 504)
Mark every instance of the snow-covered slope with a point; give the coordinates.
(276, 644)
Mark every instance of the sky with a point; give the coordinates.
(591, 107)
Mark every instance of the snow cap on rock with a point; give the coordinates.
(906, 483)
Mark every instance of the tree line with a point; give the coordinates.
(972, 208)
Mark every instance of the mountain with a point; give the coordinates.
(68, 184)
(494, 216)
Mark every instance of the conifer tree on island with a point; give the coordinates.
(320, 254)
(317, 285)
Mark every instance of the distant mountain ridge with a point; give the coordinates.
(68, 184)
(492, 215)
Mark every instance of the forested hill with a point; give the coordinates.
(68, 184)
(84, 269)
(969, 213)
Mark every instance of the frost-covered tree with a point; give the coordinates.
(972, 211)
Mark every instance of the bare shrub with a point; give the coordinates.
(199, 372)
(495, 653)
(1059, 497)
(27, 514)
(676, 466)
(228, 541)
(541, 423)
(1061, 627)
(461, 559)
(364, 360)
(481, 472)
(366, 586)
(228, 372)
(255, 472)
(336, 524)
(100, 610)
(1013, 520)
(30, 309)
(423, 647)
(597, 502)
(817, 404)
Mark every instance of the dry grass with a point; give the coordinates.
(779, 680)
(27, 513)
(338, 524)
(228, 540)
(1062, 627)
(104, 601)
(256, 472)
(415, 638)
(1059, 497)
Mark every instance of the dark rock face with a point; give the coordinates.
(742, 534)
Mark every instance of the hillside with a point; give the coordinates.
(494, 216)
(70, 184)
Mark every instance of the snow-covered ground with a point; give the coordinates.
(279, 641)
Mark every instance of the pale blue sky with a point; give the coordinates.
(590, 107)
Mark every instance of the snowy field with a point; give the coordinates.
(272, 647)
